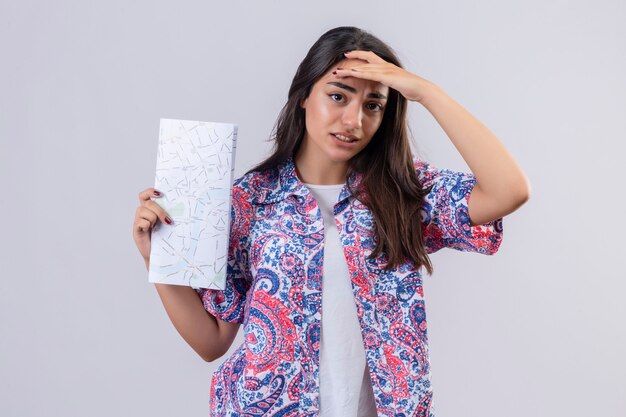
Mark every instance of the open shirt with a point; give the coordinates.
(274, 288)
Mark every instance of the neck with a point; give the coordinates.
(317, 171)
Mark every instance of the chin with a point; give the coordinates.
(340, 159)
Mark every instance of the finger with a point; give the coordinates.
(363, 72)
(368, 56)
(367, 67)
(142, 226)
(149, 192)
(146, 214)
(158, 211)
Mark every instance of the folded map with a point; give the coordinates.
(194, 171)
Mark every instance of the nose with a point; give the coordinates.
(352, 116)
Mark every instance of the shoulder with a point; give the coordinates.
(429, 174)
(426, 172)
(255, 185)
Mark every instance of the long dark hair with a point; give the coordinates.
(392, 190)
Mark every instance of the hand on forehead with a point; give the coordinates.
(353, 63)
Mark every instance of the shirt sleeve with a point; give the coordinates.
(229, 304)
(445, 213)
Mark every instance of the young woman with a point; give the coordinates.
(328, 239)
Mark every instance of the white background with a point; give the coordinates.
(537, 329)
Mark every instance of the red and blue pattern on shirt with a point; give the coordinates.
(274, 288)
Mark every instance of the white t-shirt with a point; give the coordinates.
(345, 386)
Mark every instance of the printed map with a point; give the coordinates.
(194, 171)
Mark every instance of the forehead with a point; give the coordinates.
(358, 83)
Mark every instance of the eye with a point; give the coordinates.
(376, 106)
(332, 95)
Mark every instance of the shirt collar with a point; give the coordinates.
(282, 182)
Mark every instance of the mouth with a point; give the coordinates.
(345, 138)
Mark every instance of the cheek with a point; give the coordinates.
(317, 115)
(373, 124)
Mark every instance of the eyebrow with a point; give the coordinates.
(375, 94)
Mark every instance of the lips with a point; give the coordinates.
(345, 137)
(342, 144)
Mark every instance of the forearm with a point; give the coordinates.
(497, 173)
(197, 326)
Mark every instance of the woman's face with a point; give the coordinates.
(348, 107)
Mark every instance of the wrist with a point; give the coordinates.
(430, 93)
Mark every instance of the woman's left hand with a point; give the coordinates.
(411, 86)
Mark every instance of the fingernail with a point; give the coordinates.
(168, 220)
(157, 193)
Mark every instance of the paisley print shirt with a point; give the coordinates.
(274, 288)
